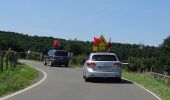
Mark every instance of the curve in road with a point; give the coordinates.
(67, 84)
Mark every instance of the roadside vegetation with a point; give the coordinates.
(15, 79)
(141, 58)
(146, 80)
(13, 75)
(77, 61)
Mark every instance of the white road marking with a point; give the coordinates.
(144, 88)
(28, 88)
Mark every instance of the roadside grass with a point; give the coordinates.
(146, 80)
(16, 79)
(75, 66)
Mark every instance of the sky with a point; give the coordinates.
(125, 21)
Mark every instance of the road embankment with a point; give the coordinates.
(147, 81)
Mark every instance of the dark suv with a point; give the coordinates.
(57, 57)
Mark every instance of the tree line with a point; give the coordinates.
(141, 57)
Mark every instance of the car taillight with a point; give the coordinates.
(117, 64)
(91, 64)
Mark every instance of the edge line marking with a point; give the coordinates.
(144, 89)
(27, 88)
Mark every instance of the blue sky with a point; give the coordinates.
(125, 21)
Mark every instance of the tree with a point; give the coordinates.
(166, 46)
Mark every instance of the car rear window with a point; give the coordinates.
(104, 58)
(61, 53)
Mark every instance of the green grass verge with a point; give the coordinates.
(16, 79)
(75, 66)
(146, 80)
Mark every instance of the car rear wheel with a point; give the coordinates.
(66, 65)
(87, 79)
(118, 79)
(84, 74)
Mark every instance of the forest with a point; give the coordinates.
(140, 57)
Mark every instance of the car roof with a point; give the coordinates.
(102, 53)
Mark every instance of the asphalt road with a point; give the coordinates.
(67, 84)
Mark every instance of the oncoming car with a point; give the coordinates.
(102, 65)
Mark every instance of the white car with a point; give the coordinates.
(102, 65)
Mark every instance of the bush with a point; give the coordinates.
(77, 60)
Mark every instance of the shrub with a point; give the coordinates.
(77, 60)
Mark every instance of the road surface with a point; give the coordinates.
(67, 84)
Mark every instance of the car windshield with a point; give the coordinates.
(104, 58)
(61, 53)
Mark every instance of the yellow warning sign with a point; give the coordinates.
(101, 45)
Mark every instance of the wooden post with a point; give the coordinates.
(15, 60)
(6, 60)
(1, 62)
(11, 62)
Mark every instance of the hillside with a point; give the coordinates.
(21, 42)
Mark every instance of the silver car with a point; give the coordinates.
(102, 65)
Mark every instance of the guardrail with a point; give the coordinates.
(161, 77)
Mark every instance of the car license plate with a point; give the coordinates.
(116, 70)
(105, 67)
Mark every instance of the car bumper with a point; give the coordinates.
(97, 74)
(59, 62)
